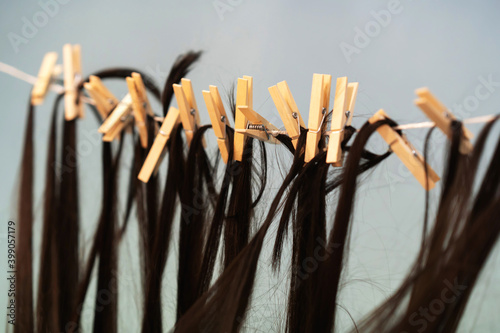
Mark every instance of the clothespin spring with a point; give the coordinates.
(258, 127)
(125, 117)
(347, 113)
(295, 115)
(413, 150)
(323, 111)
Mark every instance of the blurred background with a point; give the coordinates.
(391, 47)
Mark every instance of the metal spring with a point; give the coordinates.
(256, 127)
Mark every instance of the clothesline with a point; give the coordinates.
(14, 72)
(17, 73)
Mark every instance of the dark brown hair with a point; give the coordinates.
(156, 218)
(24, 247)
(47, 310)
(455, 251)
(197, 198)
(104, 245)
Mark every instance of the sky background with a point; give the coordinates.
(390, 47)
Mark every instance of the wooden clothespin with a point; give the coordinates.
(352, 93)
(72, 73)
(318, 109)
(343, 106)
(115, 131)
(139, 106)
(117, 119)
(257, 126)
(288, 110)
(44, 78)
(188, 109)
(104, 100)
(410, 157)
(441, 116)
(156, 152)
(218, 118)
(141, 89)
(339, 119)
(77, 63)
(244, 97)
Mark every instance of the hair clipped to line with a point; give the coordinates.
(168, 198)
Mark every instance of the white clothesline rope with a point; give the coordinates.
(18, 74)
(428, 124)
(12, 71)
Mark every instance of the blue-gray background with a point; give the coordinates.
(450, 46)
